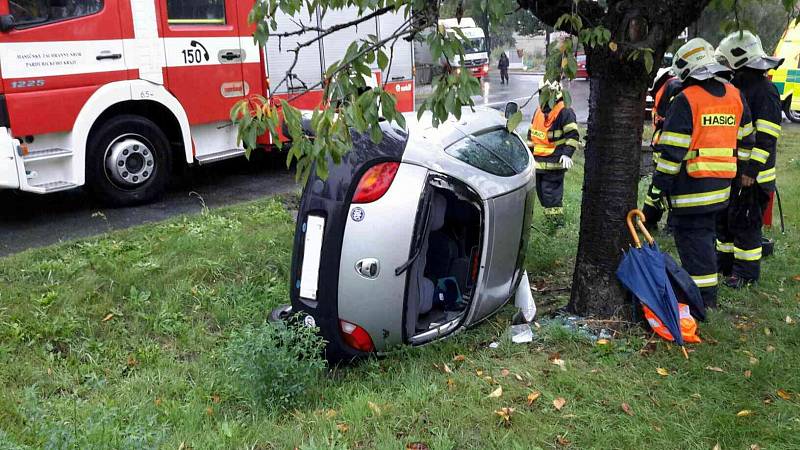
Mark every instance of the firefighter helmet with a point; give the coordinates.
(695, 59)
(663, 74)
(743, 49)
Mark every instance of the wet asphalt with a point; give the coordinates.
(30, 220)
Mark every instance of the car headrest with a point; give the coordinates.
(438, 210)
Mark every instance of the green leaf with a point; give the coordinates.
(648, 61)
(514, 121)
(383, 60)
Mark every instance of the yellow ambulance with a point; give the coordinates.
(787, 76)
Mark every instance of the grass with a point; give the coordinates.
(120, 342)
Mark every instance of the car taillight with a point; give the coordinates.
(375, 182)
(485, 68)
(356, 337)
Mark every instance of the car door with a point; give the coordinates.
(203, 57)
(58, 49)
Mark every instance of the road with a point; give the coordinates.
(29, 220)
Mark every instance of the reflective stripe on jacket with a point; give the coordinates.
(704, 126)
(553, 134)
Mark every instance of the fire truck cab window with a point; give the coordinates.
(35, 12)
(196, 12)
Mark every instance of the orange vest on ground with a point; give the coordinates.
(715, 130)
(544, 141)
(688, 325)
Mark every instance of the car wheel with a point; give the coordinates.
(128, 161)
(280, 313)
(790, 113)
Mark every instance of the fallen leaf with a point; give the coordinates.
(519, 378)
(753, 360)
(717, 447)
(770, 349)
(560, 363)
(497, 392)
(562, 440)
(49, 371)
(789, 320)
(489, 379)
(417, 446)
(446, 368)
(796, 278)
(533, 396)
(132, 361)
(108, 317)
(330, 413)
(559, 403)
(554, 355)
(715, 369)
(215, 398)
(748, 373)
(342, 427)
(451, 384)
(479, 373)
(784, 395)
(504, 372)
(209, 411)
(613, 46)
(157, 401)
(767, 401)
(755, 447)
(375, 408)
(744, 413)
(662, 371)
(603, 342)
(459, 358)
(627, 408)
(767, 331)
(696, 395)
(505, 414)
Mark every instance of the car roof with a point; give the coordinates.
(472, 121)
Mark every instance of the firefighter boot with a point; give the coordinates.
(554, 218)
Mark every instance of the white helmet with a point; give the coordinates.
(695, 59)
(743, 49)
(553, 86)
(662, 76)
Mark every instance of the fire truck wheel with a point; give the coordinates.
(128, 161)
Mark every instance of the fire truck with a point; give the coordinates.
(117, 94)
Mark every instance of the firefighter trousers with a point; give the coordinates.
(550, 190)
(695, 238)
(739, 241)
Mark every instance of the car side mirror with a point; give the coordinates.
(511, 109)
(6, 23)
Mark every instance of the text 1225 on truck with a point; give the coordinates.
(116, 94)
(476, 58)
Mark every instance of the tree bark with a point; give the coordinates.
(610, 184)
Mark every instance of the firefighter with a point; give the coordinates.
(553, 138)
(739, 244)
(703, 127)
(665, 87)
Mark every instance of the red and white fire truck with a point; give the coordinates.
(115, 94)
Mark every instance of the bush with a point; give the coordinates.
(278, 363)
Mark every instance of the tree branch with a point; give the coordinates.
(548, 11)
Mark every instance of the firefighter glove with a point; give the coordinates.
(566, 162)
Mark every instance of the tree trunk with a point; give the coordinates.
(613, 153)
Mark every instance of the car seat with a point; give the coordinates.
(422, 288)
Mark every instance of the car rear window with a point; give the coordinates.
(496, 151)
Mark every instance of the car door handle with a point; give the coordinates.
(109, 56)
(230, 56)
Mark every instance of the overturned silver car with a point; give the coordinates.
(415, 238)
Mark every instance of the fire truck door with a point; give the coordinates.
(55, 57)
(204, 57)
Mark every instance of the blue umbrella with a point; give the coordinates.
(643, 272)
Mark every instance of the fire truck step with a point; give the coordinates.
(53, 186)
(47, 153)
(219, 156)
